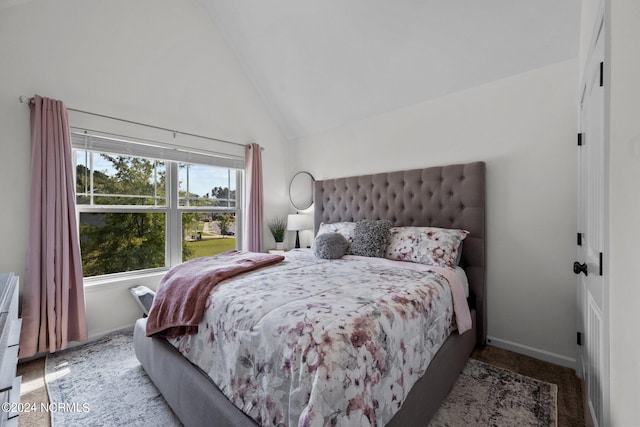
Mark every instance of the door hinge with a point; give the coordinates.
(579, 139)
(602, 74)
(579, 338)
(579, 239)
(600, 269)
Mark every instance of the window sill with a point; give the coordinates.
(123, 280)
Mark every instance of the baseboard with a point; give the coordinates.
(102, 334)
(123, 330)
(91, 338)
(536, 353)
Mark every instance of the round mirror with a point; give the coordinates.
(301, 190)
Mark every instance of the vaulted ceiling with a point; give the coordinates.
(319, 64)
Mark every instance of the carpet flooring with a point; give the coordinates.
(569, 403)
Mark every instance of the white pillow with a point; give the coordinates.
(345, 228)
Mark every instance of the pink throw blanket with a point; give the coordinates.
(182, 293)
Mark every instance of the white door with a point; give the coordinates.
(590, 267)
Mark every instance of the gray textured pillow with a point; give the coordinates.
(371, 237)
(330, 246)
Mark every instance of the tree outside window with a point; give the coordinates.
(125, 216)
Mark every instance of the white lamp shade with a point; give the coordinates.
(296, 222)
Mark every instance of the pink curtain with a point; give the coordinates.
(254, 198)
(53, 312)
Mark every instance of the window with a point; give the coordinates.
(207, 199)
(144, 206)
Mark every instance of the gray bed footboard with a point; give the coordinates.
(188, 391)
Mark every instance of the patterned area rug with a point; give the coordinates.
(103, 384)
(485, 395)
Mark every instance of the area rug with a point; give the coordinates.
(485, 395)
(102, 383)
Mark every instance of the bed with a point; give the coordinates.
(447, 197)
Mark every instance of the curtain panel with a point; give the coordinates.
(53, 310)
(254, 198)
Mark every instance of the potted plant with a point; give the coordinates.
(278, 226)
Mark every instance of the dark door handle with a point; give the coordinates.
(580, 268)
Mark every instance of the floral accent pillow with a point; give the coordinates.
(426, 245)
(371, 238)
(346, 229)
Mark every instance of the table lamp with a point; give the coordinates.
(297, 222)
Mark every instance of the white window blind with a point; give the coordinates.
(152, 150)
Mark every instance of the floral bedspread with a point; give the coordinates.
(312, 342)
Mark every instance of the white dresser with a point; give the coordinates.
(9, 338)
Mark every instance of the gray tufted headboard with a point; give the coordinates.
(447, 196)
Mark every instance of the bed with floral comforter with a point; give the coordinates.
(311, 342)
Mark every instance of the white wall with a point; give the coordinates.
(524, 127)
(159, 62)
(624, 213)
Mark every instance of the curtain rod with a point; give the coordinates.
(27, 100)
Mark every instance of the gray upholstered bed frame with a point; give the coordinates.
(449, 196)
